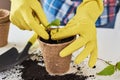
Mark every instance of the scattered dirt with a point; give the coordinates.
(33, 71)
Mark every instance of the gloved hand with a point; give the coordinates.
(82, 24)
(23, 13)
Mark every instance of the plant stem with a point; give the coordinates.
(105, 61)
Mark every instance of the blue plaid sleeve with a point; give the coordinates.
(61, 9)
(107, 19)
(66, 9)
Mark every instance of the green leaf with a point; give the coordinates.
(118, 65)
(56, 22)
(109, 70)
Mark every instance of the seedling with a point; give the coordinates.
(56, 23)
(110, 69)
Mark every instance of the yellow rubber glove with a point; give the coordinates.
(82, 24)
(23, 14)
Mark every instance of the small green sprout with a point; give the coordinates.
(56, 22)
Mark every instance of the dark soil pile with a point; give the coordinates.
(32, 71)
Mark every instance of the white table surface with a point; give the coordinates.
(108, 46)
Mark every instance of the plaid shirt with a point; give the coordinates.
(66, 9)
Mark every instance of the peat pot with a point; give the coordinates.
(55, 65)
(4, 27)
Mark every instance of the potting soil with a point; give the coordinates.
(32, 71)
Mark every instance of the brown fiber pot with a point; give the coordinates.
(4, 27)
(55, 65)
(5, 4)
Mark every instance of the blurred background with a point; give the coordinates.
(5, 4)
